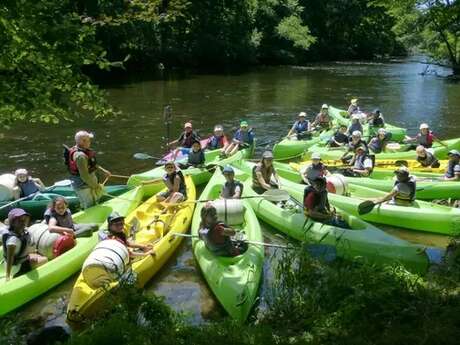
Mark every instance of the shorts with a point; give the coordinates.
(87, 197)
(26, 266)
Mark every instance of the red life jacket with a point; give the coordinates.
(425, 140)
(72, 164)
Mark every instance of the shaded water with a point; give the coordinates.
(269, 98)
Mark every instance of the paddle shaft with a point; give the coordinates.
(245, 241)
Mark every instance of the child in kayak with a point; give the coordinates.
(425, 138)
(18, 251)
(195, 157)
(217, 236)
(376, 120)
(453, 167)
(340, 137)
(218, 140)
(361, 164)
(379, 143)
(26, 185)
(244, 137)
(403, 192)
(353, 108)
(322, 120)
(355, 125)
(263, 173)
(300, 129)
(232, 188)
(187, 137)
(314, 170)
(426, 158)
(175, 182)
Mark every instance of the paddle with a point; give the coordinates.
(62, 183)
(367, 206)
(274, 195)
(257, 243)
(144, 156)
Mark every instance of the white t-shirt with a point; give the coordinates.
(15, 241)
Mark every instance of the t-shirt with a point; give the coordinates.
(266, 174)
(15, 241)
(314, 171)
(230, 189)
(64, 220)
(362, 164)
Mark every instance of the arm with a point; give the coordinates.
(228, 232)
(82, 165)
(9, 260)
(105, 171)
(54, 228)
(41, 186)
(261, 180)
(387, 197)
(237, 194)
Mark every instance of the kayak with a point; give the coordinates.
(181, 152)
(422, 215)
(24, 288)
(38, 203)
(397, 133)
(429, 186)
(233, 280)
(336, 153)
(156, 225)
(199, 175)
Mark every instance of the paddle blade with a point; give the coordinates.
(365, 207)
(401, 163)
(276, 195)
(63, 183)
(142, 156)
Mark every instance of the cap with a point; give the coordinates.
(218, 128)
(356, 134)
(362, 148)
(354, 101)
(188, 125)
(324, 106)
(302, 114)
(114, 216)
(454, 153)
(21, 172)
(376, 111)
(402, 170)
(315, 155)
(228, 170)
(267, 154)
(244, 124)
(382, 131)
(424, 126)
(83, 134)
(15, 213)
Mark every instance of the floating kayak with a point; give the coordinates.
(199, 175)
(233, 280)
(429, 186)
(37, 205)
(422, 215)
(397, 133)
(24, 288)
(155, 226)
(439, 151)
(362, 241)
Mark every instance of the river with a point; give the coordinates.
(269, 98)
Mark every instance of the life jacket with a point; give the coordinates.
(182, 186)
(320, 199)
(352, 146)
(429, 159)
(196, 158)
(229, 189)
(323, 119)
(425, 140)
(187, 139)
(359, 162)
(215, 242)
(245, 137)
(452, 168)
(355, 127)
(315, 171)
(340, 137)
(72, 164)
(377, 122)
(64, 220)
(217, 142)
(24, 238)
(120, 237)
(301, 127)
(266, 174)
(376, 144)
(353, 109)
(408, 196)
(27, 188)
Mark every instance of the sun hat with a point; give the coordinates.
(315, 155)
(424, 126)
(324, 106)
(188, 125)
(114, 216)
(302, 114)
(382, 131)
(218, 128)
(16, 213)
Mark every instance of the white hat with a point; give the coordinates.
(218, 128)
(21, 172)
(354, 101)
(382, 131)
(325, 106)
(82, 134)
(356, 134)
(302, 114)
(424, 126)
(315, 155)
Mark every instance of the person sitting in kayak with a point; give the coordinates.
(354, 142)
(233, 189)
(59, 220)
(263, 173)
(217, 236)
(355, 125)
(195, 157)
(316, 204)
(18, 249)
(218, 140)
(453, 166)
(175, 182)
(353, 108)
(300, 129)
(376, 120)
(323, 120)
(340, 137)
(379, 143)
(425, 138)
(26, 185)
(403, 192)
(314, 170)
(187, 137)
(426, 158)
(244, 137)
(116, 231)
(361, 164)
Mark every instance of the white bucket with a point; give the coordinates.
(337, 184)
(229, 211)
(42, 239)
(106, 263)
(7, 182)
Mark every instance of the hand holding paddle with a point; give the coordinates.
(367, 206)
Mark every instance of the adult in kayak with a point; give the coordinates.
(82, 165)
(59, 220)
(379, 143)
(361, 164)
(314, 170)
(403, 192)
(353, 108)
(264, 176)
(426, 158)
(323, 120)
(218, 140)
(232, 189)
(18, 250)
(355, 125)
(217, 235)
(187, 137)
(425, 138)
(244, 137)
(175, 182)
(316, 204)
(375, 119)
(195, 157)
(453, 167)
(26, 185)
(340, 137)
(354, 142)
(300, 129)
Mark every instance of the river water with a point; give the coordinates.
(268, 97)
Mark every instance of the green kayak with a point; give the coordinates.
(397, 133)
(199, 175)
(363, 241)
(422, 215)
(233, 280)
(37, 205)
(24, 288)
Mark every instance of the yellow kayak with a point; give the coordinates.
(155, 225)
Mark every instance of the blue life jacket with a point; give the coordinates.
(27, 188)
(301, 127)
